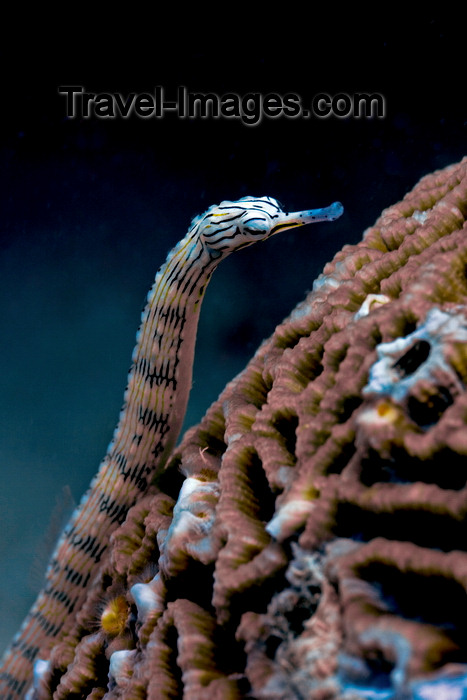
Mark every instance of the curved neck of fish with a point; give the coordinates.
(160, 378)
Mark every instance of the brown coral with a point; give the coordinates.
(308, 538)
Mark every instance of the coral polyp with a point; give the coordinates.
(114, 616)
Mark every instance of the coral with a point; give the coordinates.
(308, 538)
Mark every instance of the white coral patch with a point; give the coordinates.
(40, 670)
(327, 281)
(372, 301)
(193, 518)
(288, 518)
(420, 216)
(454, 688)
(440, 327)
(121, 667)
(147, 599)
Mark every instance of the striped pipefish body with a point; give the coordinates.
(154, 407)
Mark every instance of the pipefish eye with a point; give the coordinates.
(233, 225)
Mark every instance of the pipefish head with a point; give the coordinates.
(229, 226)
